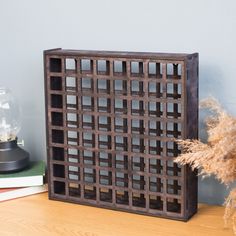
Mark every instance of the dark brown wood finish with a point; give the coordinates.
(112, 119)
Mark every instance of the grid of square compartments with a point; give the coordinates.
(112, 124)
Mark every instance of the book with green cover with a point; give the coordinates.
(31, 176)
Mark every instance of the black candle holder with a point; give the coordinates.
(12, 157)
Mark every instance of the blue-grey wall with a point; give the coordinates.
(28, 27)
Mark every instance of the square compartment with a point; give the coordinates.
(104, 141)
(138, 163)
(88, 139)
(173, 110)
(105, 177)
(103, 86)
(173, 186)
(71, 84)
(89, 175)
(155, 128)
(155, 184)
(55, 83)
(121, 125)
(138, 182)
(57, 136)
(137, 145)
(156, 147)
(58, 154)
(121, 143)
(87, 84)
(120, 106)
(57, 118)
(71, 64)
(90, 192)
(137, 69)
(72, 120)
(104, 105)
(73, 173)
(173, 205)
(55, 65)
(59, 187)
(58, 171)
(173, 90)
(122, 197)
(137, 88)
(119, 68)
(154, 70)
(87, 103)
(89, 157)
(120, 86)
(173, 149)
(86, 66)
(156, 202)
(137, 107)
(105, 159)
(138, 200)
(56, 101)
(121, 161)
(88, 122)
(105, 195)
(155, 109)
(74, 190)
(174, 71)
(121, 179)
(155, 89)
(173, 169)
(156, 166)
(104, 123)
(173, 129)
(73, 155)
(72, 138)
(103, 67)
(137, 126)
(71, 102)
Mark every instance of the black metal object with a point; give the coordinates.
(12, 157)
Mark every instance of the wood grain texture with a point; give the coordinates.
(36, 215)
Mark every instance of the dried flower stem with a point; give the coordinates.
(218, 156)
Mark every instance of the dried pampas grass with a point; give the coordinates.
(218, 156)
(230, 205)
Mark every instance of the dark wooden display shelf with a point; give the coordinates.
(112, 119)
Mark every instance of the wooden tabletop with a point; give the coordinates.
(36, 215)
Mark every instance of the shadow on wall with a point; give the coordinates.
(210, 191)
(211, 82)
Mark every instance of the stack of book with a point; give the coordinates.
(26, 182)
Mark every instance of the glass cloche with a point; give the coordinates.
(9, 116)
(12, 157)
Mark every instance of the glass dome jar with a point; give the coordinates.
(12, 157)
(9, 116)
